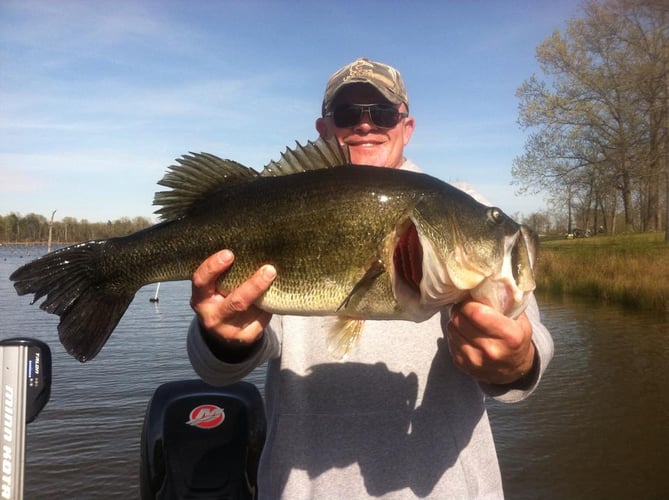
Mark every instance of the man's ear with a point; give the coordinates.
(323, 128)
(409, 125)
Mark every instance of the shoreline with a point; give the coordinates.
(631, 270)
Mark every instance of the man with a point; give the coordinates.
(403, 415)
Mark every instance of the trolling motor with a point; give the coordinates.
(200, 441)
(25, 382)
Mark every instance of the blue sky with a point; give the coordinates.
(97, 98)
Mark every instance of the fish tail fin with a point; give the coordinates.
(89, 322)
(343, 336)
(76, 289)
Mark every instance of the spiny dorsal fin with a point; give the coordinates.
(196, 176)
(322, 153)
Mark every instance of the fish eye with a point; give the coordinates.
(495, 215)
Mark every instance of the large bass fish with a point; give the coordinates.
(351, 241)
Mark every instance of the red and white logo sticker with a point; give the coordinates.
(206, 416)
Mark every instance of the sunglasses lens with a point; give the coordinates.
(346, 116)
(382, 115)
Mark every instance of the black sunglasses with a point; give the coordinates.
(381, 115)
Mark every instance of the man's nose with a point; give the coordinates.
(365, 123)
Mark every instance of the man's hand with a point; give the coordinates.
(489, 346)
(230, 316)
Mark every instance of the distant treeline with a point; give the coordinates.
(34, 228)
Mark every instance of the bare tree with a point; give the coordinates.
(599, 121)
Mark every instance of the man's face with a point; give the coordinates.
(368, 143)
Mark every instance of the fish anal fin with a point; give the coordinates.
(374, 271)
(343, 336)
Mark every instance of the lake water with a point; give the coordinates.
(598, 426)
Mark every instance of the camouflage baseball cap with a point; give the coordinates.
(386, 79)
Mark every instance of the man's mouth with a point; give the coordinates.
(363, 143)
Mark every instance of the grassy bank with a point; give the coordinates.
(631, 270)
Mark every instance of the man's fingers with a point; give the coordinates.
(250, 332)
(243, 297)
(489, 346)
(475, 320)
(207, 273)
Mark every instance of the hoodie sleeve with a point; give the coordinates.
(218, 373)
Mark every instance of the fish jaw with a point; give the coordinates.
(502, 294)
(508, 291)
(451, 277)
(440, 281)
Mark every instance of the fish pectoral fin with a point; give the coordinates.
(343, 336)
(374, 271)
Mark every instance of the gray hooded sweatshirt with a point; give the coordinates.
(395, 419)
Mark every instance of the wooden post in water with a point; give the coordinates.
(48, 245)
(155, 297)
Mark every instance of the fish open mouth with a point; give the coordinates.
(425, 280)
(408, 258)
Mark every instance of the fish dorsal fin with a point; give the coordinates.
(322, 153)
(196, 176)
